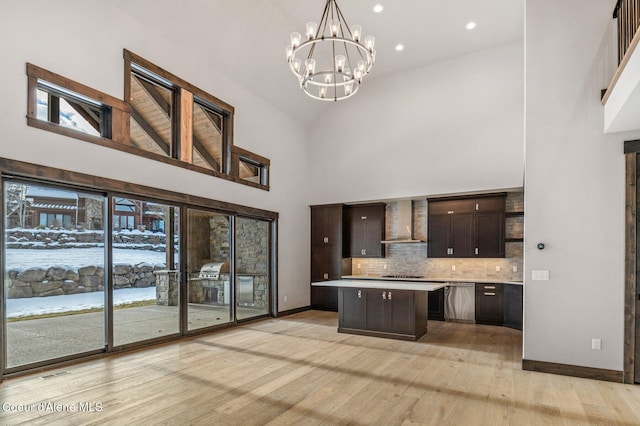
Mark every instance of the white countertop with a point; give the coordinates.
(383, 284)
(430, 280)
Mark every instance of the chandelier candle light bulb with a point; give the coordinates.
(312, 29)
(330, 46)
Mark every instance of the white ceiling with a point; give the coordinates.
(246, 39)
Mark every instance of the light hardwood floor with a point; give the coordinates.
(298, 370)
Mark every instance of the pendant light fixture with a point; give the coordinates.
(332, 60)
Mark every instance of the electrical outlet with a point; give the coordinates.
(383, 266)
(540, 275)
(453, 267)
(360, 266)
(285, 298)
(497, 268)
(515, 268)
(596, 344)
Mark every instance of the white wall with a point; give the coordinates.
(450, 127)
(574, 188)
(83, 41)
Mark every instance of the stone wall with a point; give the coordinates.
(47, 239)
(59, 280)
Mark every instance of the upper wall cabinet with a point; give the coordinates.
(467, 227)
(365, 226)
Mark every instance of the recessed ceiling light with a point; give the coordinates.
(399, 47)
(470, 25)
(378, 8)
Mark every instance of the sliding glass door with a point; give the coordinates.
(146, 284)
(165, 270)
(252, 267)
(209, 253)
(54, 275)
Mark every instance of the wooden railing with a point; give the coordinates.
(627, 12)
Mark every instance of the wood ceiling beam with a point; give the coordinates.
(156, 96)
(150, 131)
(205, 154)
(86, 113)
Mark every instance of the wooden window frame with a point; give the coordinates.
(118, 120)
(186, 93)
(238, 154)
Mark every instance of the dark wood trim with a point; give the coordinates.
(514, 214)
(57, 79)
(33, 171)
(293, 311)
(250, 155)
(632, 146)
(572, 370)
(514, 240)
(237, 154)
(631, 262)
(132, 57)
(467, 197)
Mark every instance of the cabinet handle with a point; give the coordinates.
(489, 287)
(451, 250)
(477, 206)
(389, 295)
(326, 240)
(363, 217)
(384, 295)
(476, 251)
(450, 212)
(359, 294)
(489, 294)
(364, 252)
(326, 276)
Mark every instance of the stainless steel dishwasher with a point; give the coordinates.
(460, 302)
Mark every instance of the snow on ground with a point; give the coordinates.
(75, 302)
(75, 258)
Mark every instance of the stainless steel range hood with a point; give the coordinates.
(405, 224)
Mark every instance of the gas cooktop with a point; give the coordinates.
(402, 276)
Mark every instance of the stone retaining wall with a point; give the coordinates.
(59, 238)
(59, 280)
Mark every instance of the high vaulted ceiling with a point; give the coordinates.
(246, 39)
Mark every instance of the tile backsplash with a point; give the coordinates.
(411, 259)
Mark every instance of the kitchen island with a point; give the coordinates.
(381, 308)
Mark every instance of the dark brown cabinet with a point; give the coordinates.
(436, 305)
(365, 227)
(352, 307)
(469, 227)
(326, 254)
(513, 306)
(490, 304)
(397, 314)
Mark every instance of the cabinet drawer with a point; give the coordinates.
(493, 287)
(490, 304)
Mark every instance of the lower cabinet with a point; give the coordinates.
(489, 304)
(513, 306)
(436, 305)
(396, 314)
(324, 298)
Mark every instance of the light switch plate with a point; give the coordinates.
(540, 275)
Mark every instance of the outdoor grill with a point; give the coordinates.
(213, 270)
